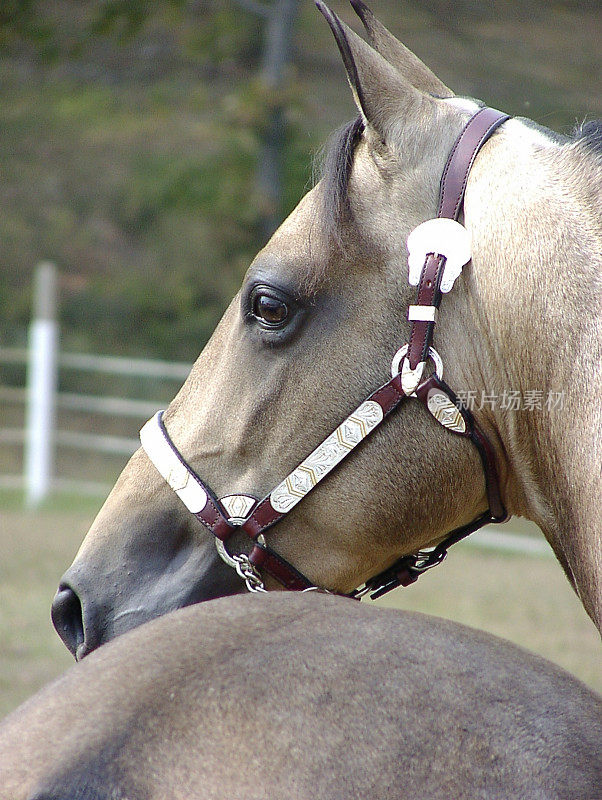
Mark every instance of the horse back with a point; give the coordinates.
(304, 696)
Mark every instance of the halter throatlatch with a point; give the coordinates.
(438, 249)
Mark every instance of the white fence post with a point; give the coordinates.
(41, 386)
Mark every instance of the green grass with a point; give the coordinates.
(13, 500)
(524, 599)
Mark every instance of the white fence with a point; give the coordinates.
(40, 437)
(40, 443)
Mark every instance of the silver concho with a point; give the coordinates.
(442, 236)
(326, 456)
(445, 412)
(238, 507)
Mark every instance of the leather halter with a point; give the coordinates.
(441, 262)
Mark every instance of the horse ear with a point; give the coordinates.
(397, 54)
(382, 94)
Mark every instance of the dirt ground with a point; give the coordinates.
(523, 598)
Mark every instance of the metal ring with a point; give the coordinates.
(234, 560)
(402, 353)
(224, 554)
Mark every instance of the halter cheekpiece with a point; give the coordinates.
(438, 249)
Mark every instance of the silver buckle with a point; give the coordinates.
(410, 378)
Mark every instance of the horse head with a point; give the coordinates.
(321, 312)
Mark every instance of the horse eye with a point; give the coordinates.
(269, 309)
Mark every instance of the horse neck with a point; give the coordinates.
(535, 294)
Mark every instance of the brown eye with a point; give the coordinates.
(269, 310)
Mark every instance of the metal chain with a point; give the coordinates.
(247, 571)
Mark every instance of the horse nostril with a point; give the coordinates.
(67, 618)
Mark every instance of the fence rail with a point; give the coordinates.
(113, 365)
(87, 403)
(112, 406)
(40, 437)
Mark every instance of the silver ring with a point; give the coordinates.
(402, 353)
(233, 561)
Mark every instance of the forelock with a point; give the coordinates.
(334, 170)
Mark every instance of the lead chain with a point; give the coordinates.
(247, 571)
(249, 574)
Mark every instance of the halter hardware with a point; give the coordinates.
(438, 249)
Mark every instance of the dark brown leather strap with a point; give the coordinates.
(407, 569)
(453, 186)
(215, 519)
(265, 558)
(497, 512)
(429, 294)
(455, 175)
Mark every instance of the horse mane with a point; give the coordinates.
(589, 134)
(333, 164)
(332, 168)
(585, 167)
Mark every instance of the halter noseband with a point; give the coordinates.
(438, 249)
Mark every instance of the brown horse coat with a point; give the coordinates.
(305, 696)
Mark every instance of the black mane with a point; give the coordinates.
(334, 165)
(590, 134)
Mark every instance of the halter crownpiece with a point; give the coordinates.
(438, 249)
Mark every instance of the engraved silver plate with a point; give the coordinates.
(326, 456)
(177, 476)
(445, 412)
(238, 506)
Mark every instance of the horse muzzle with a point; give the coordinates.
(92, 607)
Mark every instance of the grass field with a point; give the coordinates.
(523, 598)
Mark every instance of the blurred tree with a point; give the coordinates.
(277, 49)
(25, 20)
(278, 17)
(215, 182)
(149, 147)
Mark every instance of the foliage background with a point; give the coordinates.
(131, 133)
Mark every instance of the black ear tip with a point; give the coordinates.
(340, 36)
(362, 10)
(329, 14)
(323, 8)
